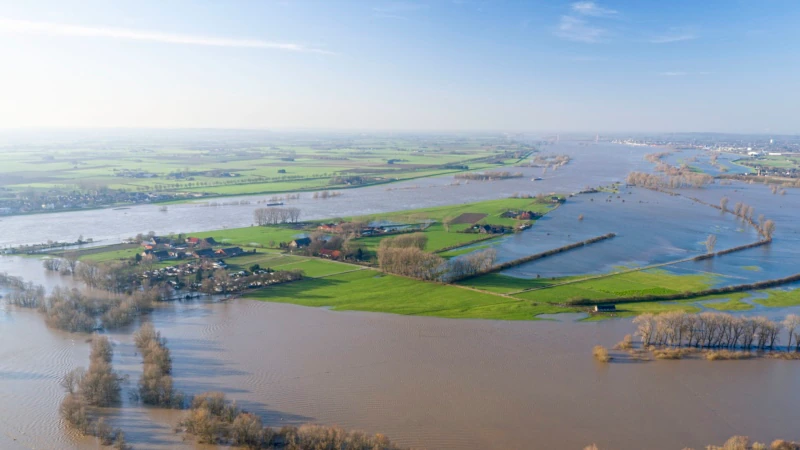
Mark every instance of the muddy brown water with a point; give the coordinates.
(425, 382)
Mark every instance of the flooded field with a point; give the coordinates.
(591, 166)
(428, 383)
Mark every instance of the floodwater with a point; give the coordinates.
(425, 382)
(592, 165)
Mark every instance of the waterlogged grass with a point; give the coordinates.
(641, 283)
(777, 298)
(369, 290)
(733, 302)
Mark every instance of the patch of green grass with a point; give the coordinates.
(646, 282)
(777, 298)
(733, 302)
(246, 237)
(369, 290)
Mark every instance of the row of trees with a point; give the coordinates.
(325, 194)
(274, 216)
(99, 386)
(155, 384)
(766, 227)
(681, 179)
(484, 176)
(716, 330)
(213, 420)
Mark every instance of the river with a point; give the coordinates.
(425, 382)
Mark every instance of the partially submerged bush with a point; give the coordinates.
(601, 353)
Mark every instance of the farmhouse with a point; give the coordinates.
(230, 252)
(299, 243)
(205, 253)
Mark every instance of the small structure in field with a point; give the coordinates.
(605, 308)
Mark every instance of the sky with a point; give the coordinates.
(588, 66)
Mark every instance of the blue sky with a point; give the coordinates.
(605, 66)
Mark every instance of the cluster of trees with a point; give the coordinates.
(64, 266)
(155, 384)
(274, 216)
(325, 194)
(213, 420)
(404, 255)
(80, 311)
(656, 158)
(484, 176)
(99, 386)
(715, 330)
(672, 180)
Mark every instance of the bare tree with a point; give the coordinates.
(723, 204)
(711, 243)
(792, 325)
(768, 229)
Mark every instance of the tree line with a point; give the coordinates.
(681, 179)
(716, 330)
(99, 386)
(274, 216)
(155, 385)
(484, 176)
(214, 420)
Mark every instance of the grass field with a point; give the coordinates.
(238, 164)
(368, 290)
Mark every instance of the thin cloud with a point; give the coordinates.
(592, 9)
(672, 37)
(579, 30)
(54, 29)
(673, 74)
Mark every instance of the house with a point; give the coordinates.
(193, 240)
(328, 227)
(605, 308)
(332, 254)
(301, 242)
(161, 255)
(205, 253)
(230, 252)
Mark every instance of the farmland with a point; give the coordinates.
(88, 174)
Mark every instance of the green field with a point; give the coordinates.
(368, 290)
(262, 163)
